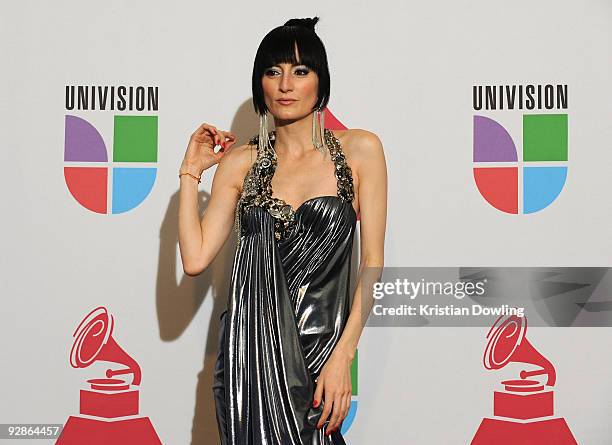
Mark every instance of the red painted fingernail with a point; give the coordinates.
(315, 403)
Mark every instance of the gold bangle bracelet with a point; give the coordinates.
(194, 177)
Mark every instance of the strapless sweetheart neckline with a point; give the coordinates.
(316, 198)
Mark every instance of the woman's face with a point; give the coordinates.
(295, 82)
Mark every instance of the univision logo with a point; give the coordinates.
(527, 180)
(123, 182)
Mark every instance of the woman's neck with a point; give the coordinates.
(293, 139)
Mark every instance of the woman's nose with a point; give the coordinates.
(286, 83)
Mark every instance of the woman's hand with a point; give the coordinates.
(334, 387)
(200, 154)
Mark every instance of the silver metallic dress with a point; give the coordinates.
(287, 307)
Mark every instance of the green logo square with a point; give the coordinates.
(135, 139)
(545, 137)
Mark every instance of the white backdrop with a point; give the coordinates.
(403, 70)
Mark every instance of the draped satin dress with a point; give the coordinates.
(288, 304)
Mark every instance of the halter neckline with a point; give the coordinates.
(257, 189)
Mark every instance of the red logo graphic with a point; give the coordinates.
(109, 408)
(525, 408)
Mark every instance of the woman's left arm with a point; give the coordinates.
(334, 382)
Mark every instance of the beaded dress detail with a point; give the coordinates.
(257, 189)
(288, 303)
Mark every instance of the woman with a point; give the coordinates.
(288, 336)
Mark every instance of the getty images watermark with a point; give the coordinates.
(458, 290)
(477, 296)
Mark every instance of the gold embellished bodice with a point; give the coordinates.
(257, 189)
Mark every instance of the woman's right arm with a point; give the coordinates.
(200, 241)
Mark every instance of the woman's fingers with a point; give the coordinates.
(229, 135)
(211, 129)
(318, 399)
(347, 405)
(226, 137)
(343, 411)
(336, 414)
(344, 402)
(219, 137)
(334, 417)
(205, 131)
(327, 408)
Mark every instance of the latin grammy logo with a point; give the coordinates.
(109, 407)
(524, 410)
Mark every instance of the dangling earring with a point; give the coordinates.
(264, 136)
(319, 141)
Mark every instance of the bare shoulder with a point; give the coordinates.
(236, 163)
(359, 145)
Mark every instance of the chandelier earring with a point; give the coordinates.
(318, 126)
(264, 135)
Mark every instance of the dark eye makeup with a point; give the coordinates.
(300, 69)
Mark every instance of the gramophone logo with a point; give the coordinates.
(530, 179)
(109, 406)
(123, 182)
(524, 410)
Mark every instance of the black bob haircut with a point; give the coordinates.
(278, 46)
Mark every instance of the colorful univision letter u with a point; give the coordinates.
(525, 185)
(87, 166)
